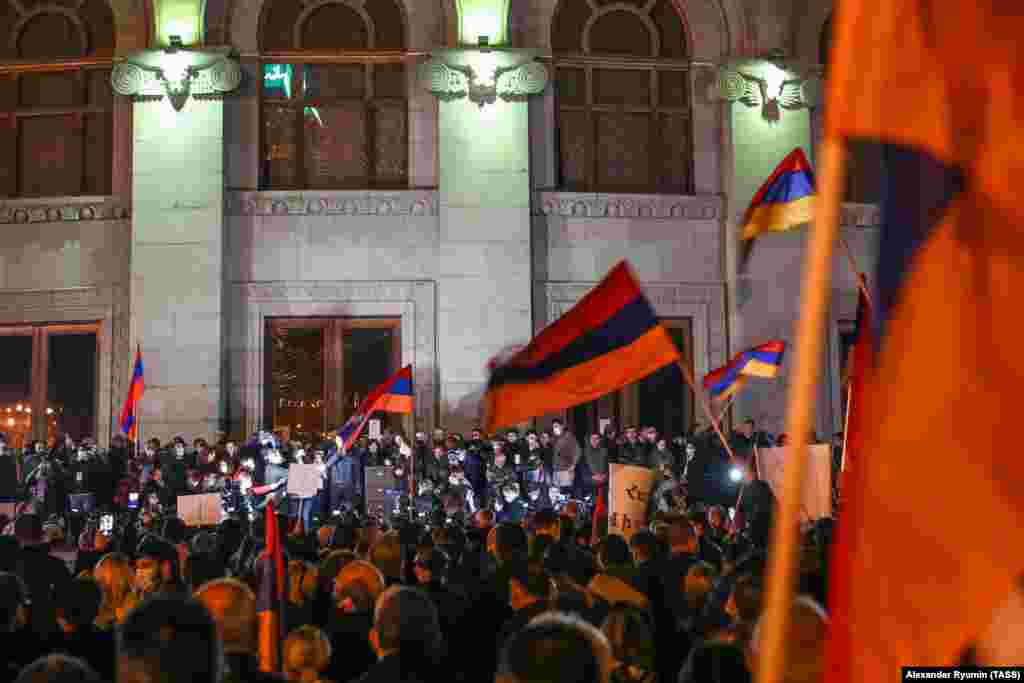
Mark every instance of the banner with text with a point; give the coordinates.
(817, 494)
(629, 493)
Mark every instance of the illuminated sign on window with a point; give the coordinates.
(277, 80)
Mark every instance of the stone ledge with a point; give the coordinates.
(63, 209)
(334, 202)
(637, 206)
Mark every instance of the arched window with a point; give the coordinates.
(56, 115)
(622, 86)
(334, 95)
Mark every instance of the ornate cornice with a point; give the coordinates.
(641, 206)
(737, 84)
(208, 76)
(333, 203)
(64, 209)
(453, 75)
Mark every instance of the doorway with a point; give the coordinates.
(318, 370)
(48, 382)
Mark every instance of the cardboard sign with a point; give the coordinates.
(628, 494)
(374, 426)
(304, 480)
(203, 509)
(817, 492)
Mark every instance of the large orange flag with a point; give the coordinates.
(939, 86)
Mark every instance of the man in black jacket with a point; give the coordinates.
(406, 637)
(45, 575)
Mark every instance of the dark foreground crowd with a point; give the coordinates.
(475, 596)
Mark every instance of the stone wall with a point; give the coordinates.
(337, 254)
(66, 260)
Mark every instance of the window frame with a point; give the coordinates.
(12, 118)
(369, 102)
(654, 109)
(39, 383)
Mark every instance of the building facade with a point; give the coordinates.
(348, 186)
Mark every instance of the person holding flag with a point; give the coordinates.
(129, 422)
(344, 469)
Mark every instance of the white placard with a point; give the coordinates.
(817, 493)
(374, 429)
(304, 480)
(602, 425)
(629, 491)
(201, 509)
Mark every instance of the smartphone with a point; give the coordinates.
(133, 500)
(107, 524)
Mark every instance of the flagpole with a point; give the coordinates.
(707, 407)
(799, 414)
(728, 404)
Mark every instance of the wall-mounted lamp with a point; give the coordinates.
(177, 73)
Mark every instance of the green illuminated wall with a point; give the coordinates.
(484, 284)
(177, 263)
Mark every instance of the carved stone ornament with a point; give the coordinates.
(454, 81)
(201, 74)
(791, 94)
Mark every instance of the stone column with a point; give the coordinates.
(768, 118)
(176, 307)
(484, 286)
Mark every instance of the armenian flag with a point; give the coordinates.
(760, 361)
(785, 201)
(395, 395)
(915, 580)
(270, 600)
(611, 338)
(129, 423)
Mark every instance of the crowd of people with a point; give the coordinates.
(491, 569)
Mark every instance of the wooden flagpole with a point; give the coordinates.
(770, 664)
(707, 407)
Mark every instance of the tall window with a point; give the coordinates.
(56, 118)
(320, 369)
(48, 381)
(334, 95)
(622, 85)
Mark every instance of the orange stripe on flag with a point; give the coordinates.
(394, 403)
(584, 382)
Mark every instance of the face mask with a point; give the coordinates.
(509, 496)
(179, 451)
(274, 458)
(83, 456)
(534, 495)
(454, 481)
(557, 431)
